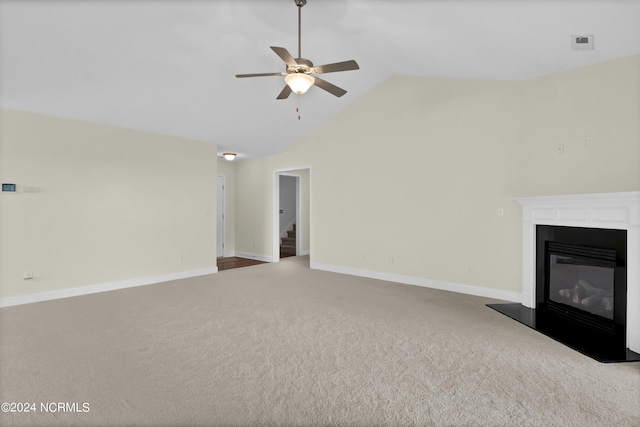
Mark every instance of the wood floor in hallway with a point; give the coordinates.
(228, 263)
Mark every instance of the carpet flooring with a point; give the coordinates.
(280, 344)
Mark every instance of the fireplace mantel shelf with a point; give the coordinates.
(619, 211)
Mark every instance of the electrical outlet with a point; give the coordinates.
(469, 269)
(560, 149)
(500, 211)
(28, 275)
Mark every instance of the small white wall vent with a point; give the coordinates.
(582, 42)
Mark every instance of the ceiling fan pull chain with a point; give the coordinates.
(298, 107)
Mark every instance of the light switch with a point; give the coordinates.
(9, 188)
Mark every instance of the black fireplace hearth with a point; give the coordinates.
(581, 291)
(602, 351)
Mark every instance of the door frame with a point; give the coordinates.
(224, 216)
(276, 209)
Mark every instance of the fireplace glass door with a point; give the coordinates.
(583, 283)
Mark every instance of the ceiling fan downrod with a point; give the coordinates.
(300, 3)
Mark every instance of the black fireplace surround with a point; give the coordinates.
(581, 291)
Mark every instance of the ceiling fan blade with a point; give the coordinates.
(285, 92)
(284, 55)
(331, 88)
(259, 75)
(338, 66)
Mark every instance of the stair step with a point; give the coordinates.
(288, 244)
(289, 250)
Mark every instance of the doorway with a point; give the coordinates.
(292, 212)
(289, 213)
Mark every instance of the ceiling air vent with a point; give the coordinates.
(582, 42)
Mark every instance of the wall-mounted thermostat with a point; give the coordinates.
(8, 188)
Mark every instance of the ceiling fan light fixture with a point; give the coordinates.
(229, 156)
(299, 82)
(298, 75)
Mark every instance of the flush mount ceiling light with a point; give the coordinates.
(229, 156)
(298, 75)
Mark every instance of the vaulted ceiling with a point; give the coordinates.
(168, 66)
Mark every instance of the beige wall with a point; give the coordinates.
(255, 205)
(305, 206)
(254, 190)
(408, 179)
(114, 204)
(595, 113)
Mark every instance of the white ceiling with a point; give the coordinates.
(168, 66)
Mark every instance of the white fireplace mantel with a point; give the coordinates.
(620, 211)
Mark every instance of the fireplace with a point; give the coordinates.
(580, 272)
(581, 286)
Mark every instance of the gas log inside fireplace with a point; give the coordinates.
(581, 277)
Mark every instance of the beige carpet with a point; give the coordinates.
(279, 344)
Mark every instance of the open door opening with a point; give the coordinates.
(292, 216)
(289, 213)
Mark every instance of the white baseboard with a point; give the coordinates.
(303, 253)
(419, 281)
(103, 287)
(258, 257)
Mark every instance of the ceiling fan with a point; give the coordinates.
(299, 74)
